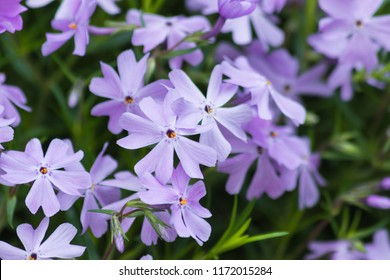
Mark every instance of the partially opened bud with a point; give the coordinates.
(236, 8)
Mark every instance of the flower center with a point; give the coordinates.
(171, 134)
(129, 100)
(72, 25)
(43, 170)
(359, 23)
(208, 109)
(268, 83)
(274, 134)
(287, 88)
(32, 257)
(182, 201)
(260, 150)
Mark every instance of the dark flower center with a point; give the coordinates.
(43, 170)
(359, 23)
(182, 201)
(287, 88)
(208, 109)
(260, 150)
(33, 257)
(72, 26)
(274, 134)
(171, 134)
(129, 100)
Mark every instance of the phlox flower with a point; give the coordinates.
(262, 91)
(10, 19)
(57, 245)
(153, 30)
(187, 215)
(160, 126)
(6, 132)
(378, 201)
(45, 173)
(379, 249)
(125, 90)
(194, 107)
(334, 250)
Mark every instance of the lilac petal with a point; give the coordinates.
(66, 201)
(109, 86)
(57, 154)
(186, 87)
(149, 37)
(109, 6)
(40, 232)
(260, 97)
(124, 180)
(266, 30)
(180, 180)
(377, 28)
(6, 134)
(153, 111)
(309, 83)
(106, 194)
(241, 29)
(8, 252)
(57, 245)
(153, 161)
(289, 108)
(34, 149)
(188, 114)
(81, 40)
(37, 3)
(337, 29)
(55, 41)
(194, 194)
(25, 233)
(143, 132)
(70, 181)
(148, 234)
(226, 92)
(157, 89)
(67, 9)
(308, 192)
(156, 197)
(337, 8)
(289, 178)
(379, 249)
(114, 110)
(96, 221)
(42, 194)
(199, 229)
(280, 150)
(103, 166)
(215, 139)
(214, 84)
(237, 168)
(233, 118)
(366, 9)
(178, 223)
(360, 51)
(192, 153)
(131, 72)
(151, 183)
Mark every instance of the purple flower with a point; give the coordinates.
(307, 173)
(261, 89)
(236, 8)
(6, 132)
(265, 178)
(378, 201)
(146, 258)
(385, 183)
(206, 6)
(172, 30)
(160, 126)
(194, 107)
(283, 71)
(72, 19)
(335, 250)
(10, 19)
(125, 90)
(186, 212)
(9, 97)
(57, 245)
(379, 249)
(351, 33)
(44, 170)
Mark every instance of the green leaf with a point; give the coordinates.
(11, 205)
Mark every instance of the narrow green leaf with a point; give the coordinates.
(11, 205)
